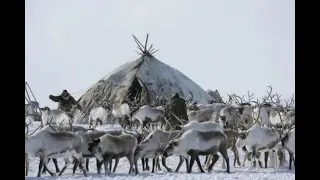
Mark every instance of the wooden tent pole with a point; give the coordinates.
(27, 92)
(31, 92)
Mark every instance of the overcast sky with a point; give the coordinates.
(229, 45)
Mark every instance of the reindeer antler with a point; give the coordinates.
(258, 117)
(230, 101)
(288, 105)
(190, 99)
(235, 98)
(250, 97)
(266, 98)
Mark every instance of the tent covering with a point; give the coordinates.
(144, 77)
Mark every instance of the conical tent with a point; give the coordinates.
(145, 77)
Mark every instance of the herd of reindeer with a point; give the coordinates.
(264, 129)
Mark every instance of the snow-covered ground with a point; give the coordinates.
(172, 162)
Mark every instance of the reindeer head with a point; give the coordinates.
(93, 146)
(46, 110)
(171, 148)
(242, 136)
(229, 114)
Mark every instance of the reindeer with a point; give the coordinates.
(101, 114)
(147, 114)
(108, 147)
(26, 156)
(195, 143)
(281, 116)
(288, 142)
(230, 117)
(88, 137)
(232, 138)
(192, 105)
(203, 126)
(55, 128)
(260, 139)
(123, 113)
(206, 114)
(153, 145)
(46, 145)
(245, 108)
(55, 116)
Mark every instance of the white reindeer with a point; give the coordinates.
(230, 117)
(195, 143)
(153, 145)
(55, 116)
(108, 147)
(203, 126)
(147, 114)
(46, 145)
(258, 139)
(98, 115)
(124, 113)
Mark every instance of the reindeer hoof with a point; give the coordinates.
(53, 174)
(170, 170)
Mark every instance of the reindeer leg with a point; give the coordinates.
(67, 162)
(199, 164)
(143, 164)
(131, 162)
(290, 160)
(193, 158)
(99, 164)
(214, 160)
(147, 164)
(110, 164)
(187, 164)
(75, 166)
(257, 157)
(224, 153)
(236, 155)
(153, 165)
(40, 167)
(87, 164)
(106, 169)
(115, 165)
(180, 163)
(55, 162)
(45, 162)
(26, 159)
(158, 164)
(165, 165)
(44, 170)
(266, 156)
(136, 167)
(208, 161)
(205, 161)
